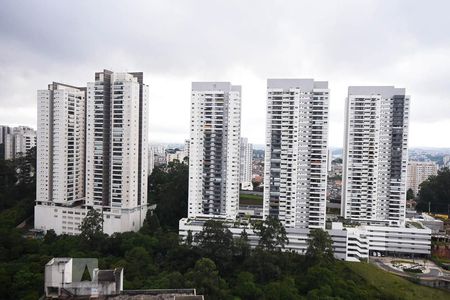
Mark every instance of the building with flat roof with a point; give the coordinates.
(418, 172)
(295, 176)
(16, 141)
(375, 154)
(93, 153)
(214, 149)
(246, 159)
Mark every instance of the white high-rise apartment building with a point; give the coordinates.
(214, 149)
(24, 139)
(418, 172)
(93, 153)
(187, 144)
(246, 164)
(117, 147)
(16, 141)
(330, 160)
(60, 147)
(375, 154)
(295, 175)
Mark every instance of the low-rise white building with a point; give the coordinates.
(64, 279)
(350, 242)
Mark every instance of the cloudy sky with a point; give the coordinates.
(401, 43)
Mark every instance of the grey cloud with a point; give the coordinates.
(402, 43)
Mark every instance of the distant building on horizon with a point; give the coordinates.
(151, 160)
(16, 141)
(246, 159)
(187, 144)
(214, 149)
(174, 154)
(295, 176)
(375, 154)
(418, 172)
(92, 153)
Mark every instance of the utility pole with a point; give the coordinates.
(429, 207)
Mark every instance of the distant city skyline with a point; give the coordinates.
(177, 42)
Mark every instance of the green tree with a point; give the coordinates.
(320, 246)
(92, 227)
(242, 245)
(216, 241)
(206, 279)
(151, 223)
(409, 194)
(271, 233)
(435, 193)
(50, 237)
(189, 238)
(246, 288)
(168, 189)
(282, 290)
(139, 264)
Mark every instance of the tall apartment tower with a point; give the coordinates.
(117, 147)
(214, 149)
(418, 172)
(93, 153)
(60, 146)
(4, 131)
(295, 175)
(246, 164)
(375, 154)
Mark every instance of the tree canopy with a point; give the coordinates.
(434, 193)
(168, 189)
(271, 233)
(320, 246)
(217, 265)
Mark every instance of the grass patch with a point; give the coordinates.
(398, 287)
(250, 199)
(415, 224)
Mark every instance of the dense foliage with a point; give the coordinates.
(158, 260)
(168, 189)
(434, 193)
(215, 263)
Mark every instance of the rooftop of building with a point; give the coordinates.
(201, 86)
(303, 84)
(384, 91)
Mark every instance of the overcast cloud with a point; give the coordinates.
(401, 43)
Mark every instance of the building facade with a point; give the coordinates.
(93, 153)
(61, 145)
(295, 176)
(151, 160)
(175, 154)
(350, 243)
(246, 159)
(16, 141)
(214, 149)
(418, 172)
(375, 154)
